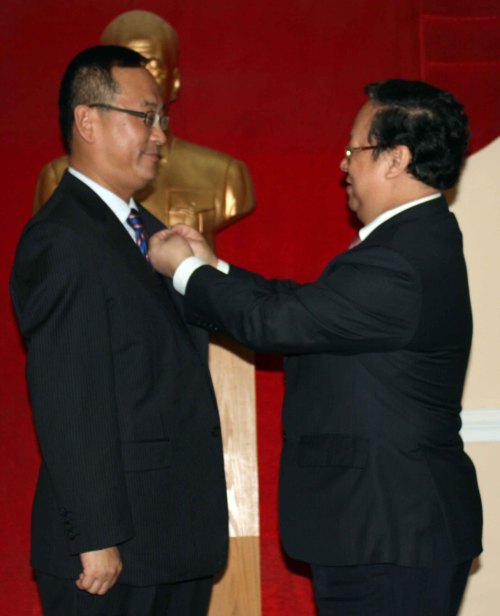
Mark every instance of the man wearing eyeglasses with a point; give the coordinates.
(130, 514)
(376, 492)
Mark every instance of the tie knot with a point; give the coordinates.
(134, 219)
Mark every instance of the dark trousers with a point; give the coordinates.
(392, 590)
(60, 597)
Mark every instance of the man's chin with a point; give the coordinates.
(352, 205)
(148, 174)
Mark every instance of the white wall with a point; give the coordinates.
(477, 207)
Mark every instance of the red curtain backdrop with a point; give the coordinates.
(274, 83)
(460, 52)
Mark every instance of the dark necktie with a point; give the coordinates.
(134, 219)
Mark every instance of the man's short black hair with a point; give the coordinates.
(429, 121)
(88, 79)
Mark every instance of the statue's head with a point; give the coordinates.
(153, 38)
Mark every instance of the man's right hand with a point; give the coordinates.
(197, 242)
(167, 250)
(101, 569)
(170, 247)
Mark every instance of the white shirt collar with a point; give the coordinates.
(119, 207)
(365, 231)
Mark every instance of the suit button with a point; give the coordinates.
(216, 431)
(284, 435)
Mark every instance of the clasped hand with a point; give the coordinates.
(169, 247)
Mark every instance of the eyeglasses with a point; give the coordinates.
(151, 118)
(349, 151)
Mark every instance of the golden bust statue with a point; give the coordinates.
(194, 185)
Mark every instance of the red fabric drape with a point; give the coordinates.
(460, 52)
(276, 84)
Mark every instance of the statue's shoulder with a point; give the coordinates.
(56, 168)
(48, 180)
(198, 154)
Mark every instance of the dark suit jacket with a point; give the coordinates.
(376, 353)
(122, 400)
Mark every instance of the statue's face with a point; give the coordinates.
(151, 50)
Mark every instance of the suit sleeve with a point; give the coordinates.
(366, 301)
(61, 309)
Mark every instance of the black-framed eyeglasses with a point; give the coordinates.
(349, 150)
(150, 118)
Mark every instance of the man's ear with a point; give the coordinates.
(84, 118)
(398, 158)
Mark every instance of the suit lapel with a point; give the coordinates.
(152, 225)
(93, 217)
(105, 228)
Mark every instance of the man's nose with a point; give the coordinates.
(158, 135)
(344, 164)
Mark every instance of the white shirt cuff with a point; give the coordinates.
(184, 271)
(187, 267)
(222, 266)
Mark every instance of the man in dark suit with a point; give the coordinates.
(376, 492)
(130, 514)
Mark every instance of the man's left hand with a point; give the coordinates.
(100, 570)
